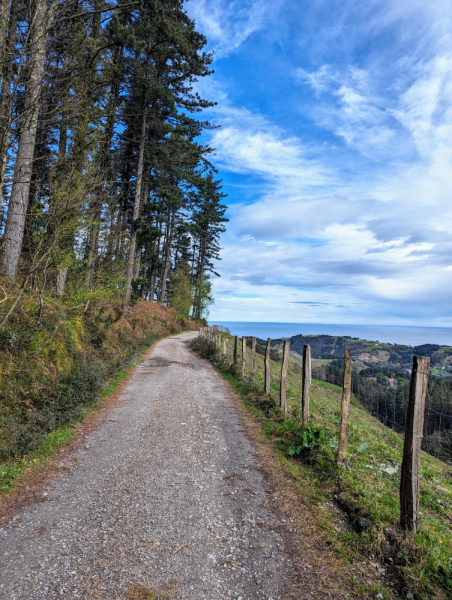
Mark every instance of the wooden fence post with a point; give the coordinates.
(306, 383)
(345, 408)
(224, 347)
(267, 367)
(285, 363)
(253, 358)
(409, 479)
(236, 343)
(243, 356)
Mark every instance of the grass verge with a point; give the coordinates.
(386, 559)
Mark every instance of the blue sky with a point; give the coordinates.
(335, 149)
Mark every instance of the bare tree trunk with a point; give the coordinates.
(7, 49)
(61, 281)
(17, 209)
(167, 257)
(93, 244)
(137, 266)
(4, 12)
(96, 227)
(136, 211)
(153, 276)
(198, 293)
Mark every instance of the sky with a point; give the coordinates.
(335, 150)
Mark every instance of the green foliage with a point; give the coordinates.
(181, 290)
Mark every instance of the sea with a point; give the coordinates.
(410, 336)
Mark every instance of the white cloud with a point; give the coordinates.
(248, 143)
(327, 237)
(228, 23)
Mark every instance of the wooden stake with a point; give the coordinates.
(224, 347)
(267, 367)
(236, 349)
(243, 356)
(306, 383)
(285, 363)
(345, 408)
(253, 358)
(409, 480)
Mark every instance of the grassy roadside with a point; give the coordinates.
(386, 560)
(14, 473)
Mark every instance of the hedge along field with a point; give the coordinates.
(55, 367)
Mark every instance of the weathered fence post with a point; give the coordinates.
(409, 480)
(253, 357)
(267, 367)
(285, 363)
(306, 383)
(345, 408)
(236, 343)
(243, 356)
(224, 347)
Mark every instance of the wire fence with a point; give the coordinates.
(384, 392)
(416, 404)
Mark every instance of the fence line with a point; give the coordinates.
(413, 402)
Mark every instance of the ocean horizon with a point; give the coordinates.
(411, 336)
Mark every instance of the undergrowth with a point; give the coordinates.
(419, 566)
(56, 367)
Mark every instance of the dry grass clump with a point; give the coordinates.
(141, 592)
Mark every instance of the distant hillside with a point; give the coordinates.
(372, 353)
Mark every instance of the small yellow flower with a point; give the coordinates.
(440, 541)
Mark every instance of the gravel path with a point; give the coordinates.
(167, 491)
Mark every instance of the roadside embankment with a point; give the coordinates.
(58, 363)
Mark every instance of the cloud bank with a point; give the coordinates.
(336, 150)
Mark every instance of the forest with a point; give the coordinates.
(111, 209)
(106, 185)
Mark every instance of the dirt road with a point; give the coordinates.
(166, 493)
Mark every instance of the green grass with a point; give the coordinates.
(12, 473)
(368, 490)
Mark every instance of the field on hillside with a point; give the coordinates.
(370, 353)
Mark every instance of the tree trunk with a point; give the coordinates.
(153, 275)
(17, 209)
(4, 13)
(202, 260)
(93, 244)
(167, 257)
(7, 50)
(137, 266)
(61, 281)
(136, 211)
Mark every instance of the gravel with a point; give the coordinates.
(167, 489)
